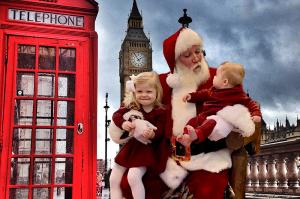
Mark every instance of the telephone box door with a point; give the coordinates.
(44, 119)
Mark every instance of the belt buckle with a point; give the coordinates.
(186, 156)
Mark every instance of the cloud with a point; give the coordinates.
(262, 35)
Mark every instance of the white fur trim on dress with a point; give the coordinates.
(239, 116)
(186, 39)
(127, 115)
(214, 161)
(115, 133)
(173, 174)
(221, 130)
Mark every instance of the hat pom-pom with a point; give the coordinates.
(173, 80)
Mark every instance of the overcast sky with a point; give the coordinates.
(263, 35)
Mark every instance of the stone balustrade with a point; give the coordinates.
(276, 169)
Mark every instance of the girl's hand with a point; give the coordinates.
(148, 133)
(187, 97)
(128, 126)
(256, 118)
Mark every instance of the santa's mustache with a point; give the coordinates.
(196, 67)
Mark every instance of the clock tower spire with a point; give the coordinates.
(135, 55)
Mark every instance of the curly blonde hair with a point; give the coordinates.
(150, 78)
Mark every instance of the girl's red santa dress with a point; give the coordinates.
(136, 154)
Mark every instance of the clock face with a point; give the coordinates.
(138, 59)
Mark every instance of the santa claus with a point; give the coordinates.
(205, 174)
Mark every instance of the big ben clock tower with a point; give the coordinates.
(136, 53)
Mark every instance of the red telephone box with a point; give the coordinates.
(48, 99)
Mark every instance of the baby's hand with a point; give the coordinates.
(256, 118)
(148, 133)
(184, 139)
(187, 97)
(128, 126)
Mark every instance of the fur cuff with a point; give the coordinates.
(239, 116)
(116, 133)
(212, 162)
(173, 174)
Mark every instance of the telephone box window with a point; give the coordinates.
(18, 193)
(41, 193)
(67, 59)
(25, 84)
(66, 85)
(21, 141)
(46, 84)
(26, 56)
(23, 112)
(65, 113)
(43, 141)
(44, 112)
(63, 170)
(64, 141)
(42, 171)
(19, 171)
(62, 192)
(47, 58)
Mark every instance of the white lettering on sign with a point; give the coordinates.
(45, 17)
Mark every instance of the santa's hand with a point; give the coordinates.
(256, 118)
(189, 130)
(184, 139)
(186, 98)
(128, 126)
(148, 133)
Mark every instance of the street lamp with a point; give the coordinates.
(107, 122)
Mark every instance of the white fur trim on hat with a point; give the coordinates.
(173, 174)
(239, 116)
(127, 115)
(115, 133)
(186, 39)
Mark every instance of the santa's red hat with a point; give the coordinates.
(179, 42)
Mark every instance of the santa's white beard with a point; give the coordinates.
(182, 112)
(197, 76)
